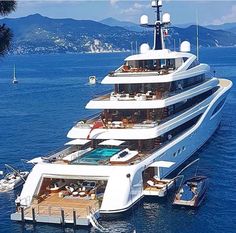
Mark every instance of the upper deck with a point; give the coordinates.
(158, 97)
(156, 66)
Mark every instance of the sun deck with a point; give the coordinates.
(132, 157)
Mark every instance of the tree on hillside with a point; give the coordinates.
(6, 35)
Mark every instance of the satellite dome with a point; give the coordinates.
(144, 48)
(185, 46)
(154, 3)
(166, 18)
(144, 20)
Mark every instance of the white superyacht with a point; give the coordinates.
(163, 108)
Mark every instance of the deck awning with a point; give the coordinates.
(165, 164)
(79, 142)
(111, 142)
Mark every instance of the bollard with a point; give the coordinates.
(74, 217)
(62, 217)
(22, 214)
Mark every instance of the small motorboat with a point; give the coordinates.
(92, 80)
(192, 192)
(13, 179)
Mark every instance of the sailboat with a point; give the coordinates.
(14, 81)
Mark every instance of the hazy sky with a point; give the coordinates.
(209, 11)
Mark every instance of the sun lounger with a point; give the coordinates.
(153, 184)
(123, 156)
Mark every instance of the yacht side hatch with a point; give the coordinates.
(153, 184)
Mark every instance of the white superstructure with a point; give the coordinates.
(164, 106)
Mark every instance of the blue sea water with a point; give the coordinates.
(36, 114)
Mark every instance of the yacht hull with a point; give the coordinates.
(184, 146)
(125, 184)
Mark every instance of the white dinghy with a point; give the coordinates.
(12, 179)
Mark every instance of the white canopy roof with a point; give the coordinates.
(157, 54)
(166, 164)
(79, 142)
(111, 142)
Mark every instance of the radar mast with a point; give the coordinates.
(158, 25)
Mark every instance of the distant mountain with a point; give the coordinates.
(233, 29)
(226, 27)
(39, 34)
(125, 24)
(207, 37)
(185, 25)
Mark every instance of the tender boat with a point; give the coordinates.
(92, 80)
(192, 192)
(13, 179)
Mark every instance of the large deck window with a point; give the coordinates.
(194, 64)
(186, 83)
(152, 65)
(159, 90)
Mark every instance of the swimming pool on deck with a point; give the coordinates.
(96, 156)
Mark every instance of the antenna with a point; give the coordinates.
(197, 28)
(179, 42)
(14, 71)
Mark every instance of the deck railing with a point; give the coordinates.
(56, 211)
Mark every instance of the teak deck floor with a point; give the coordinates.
(53, 204)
